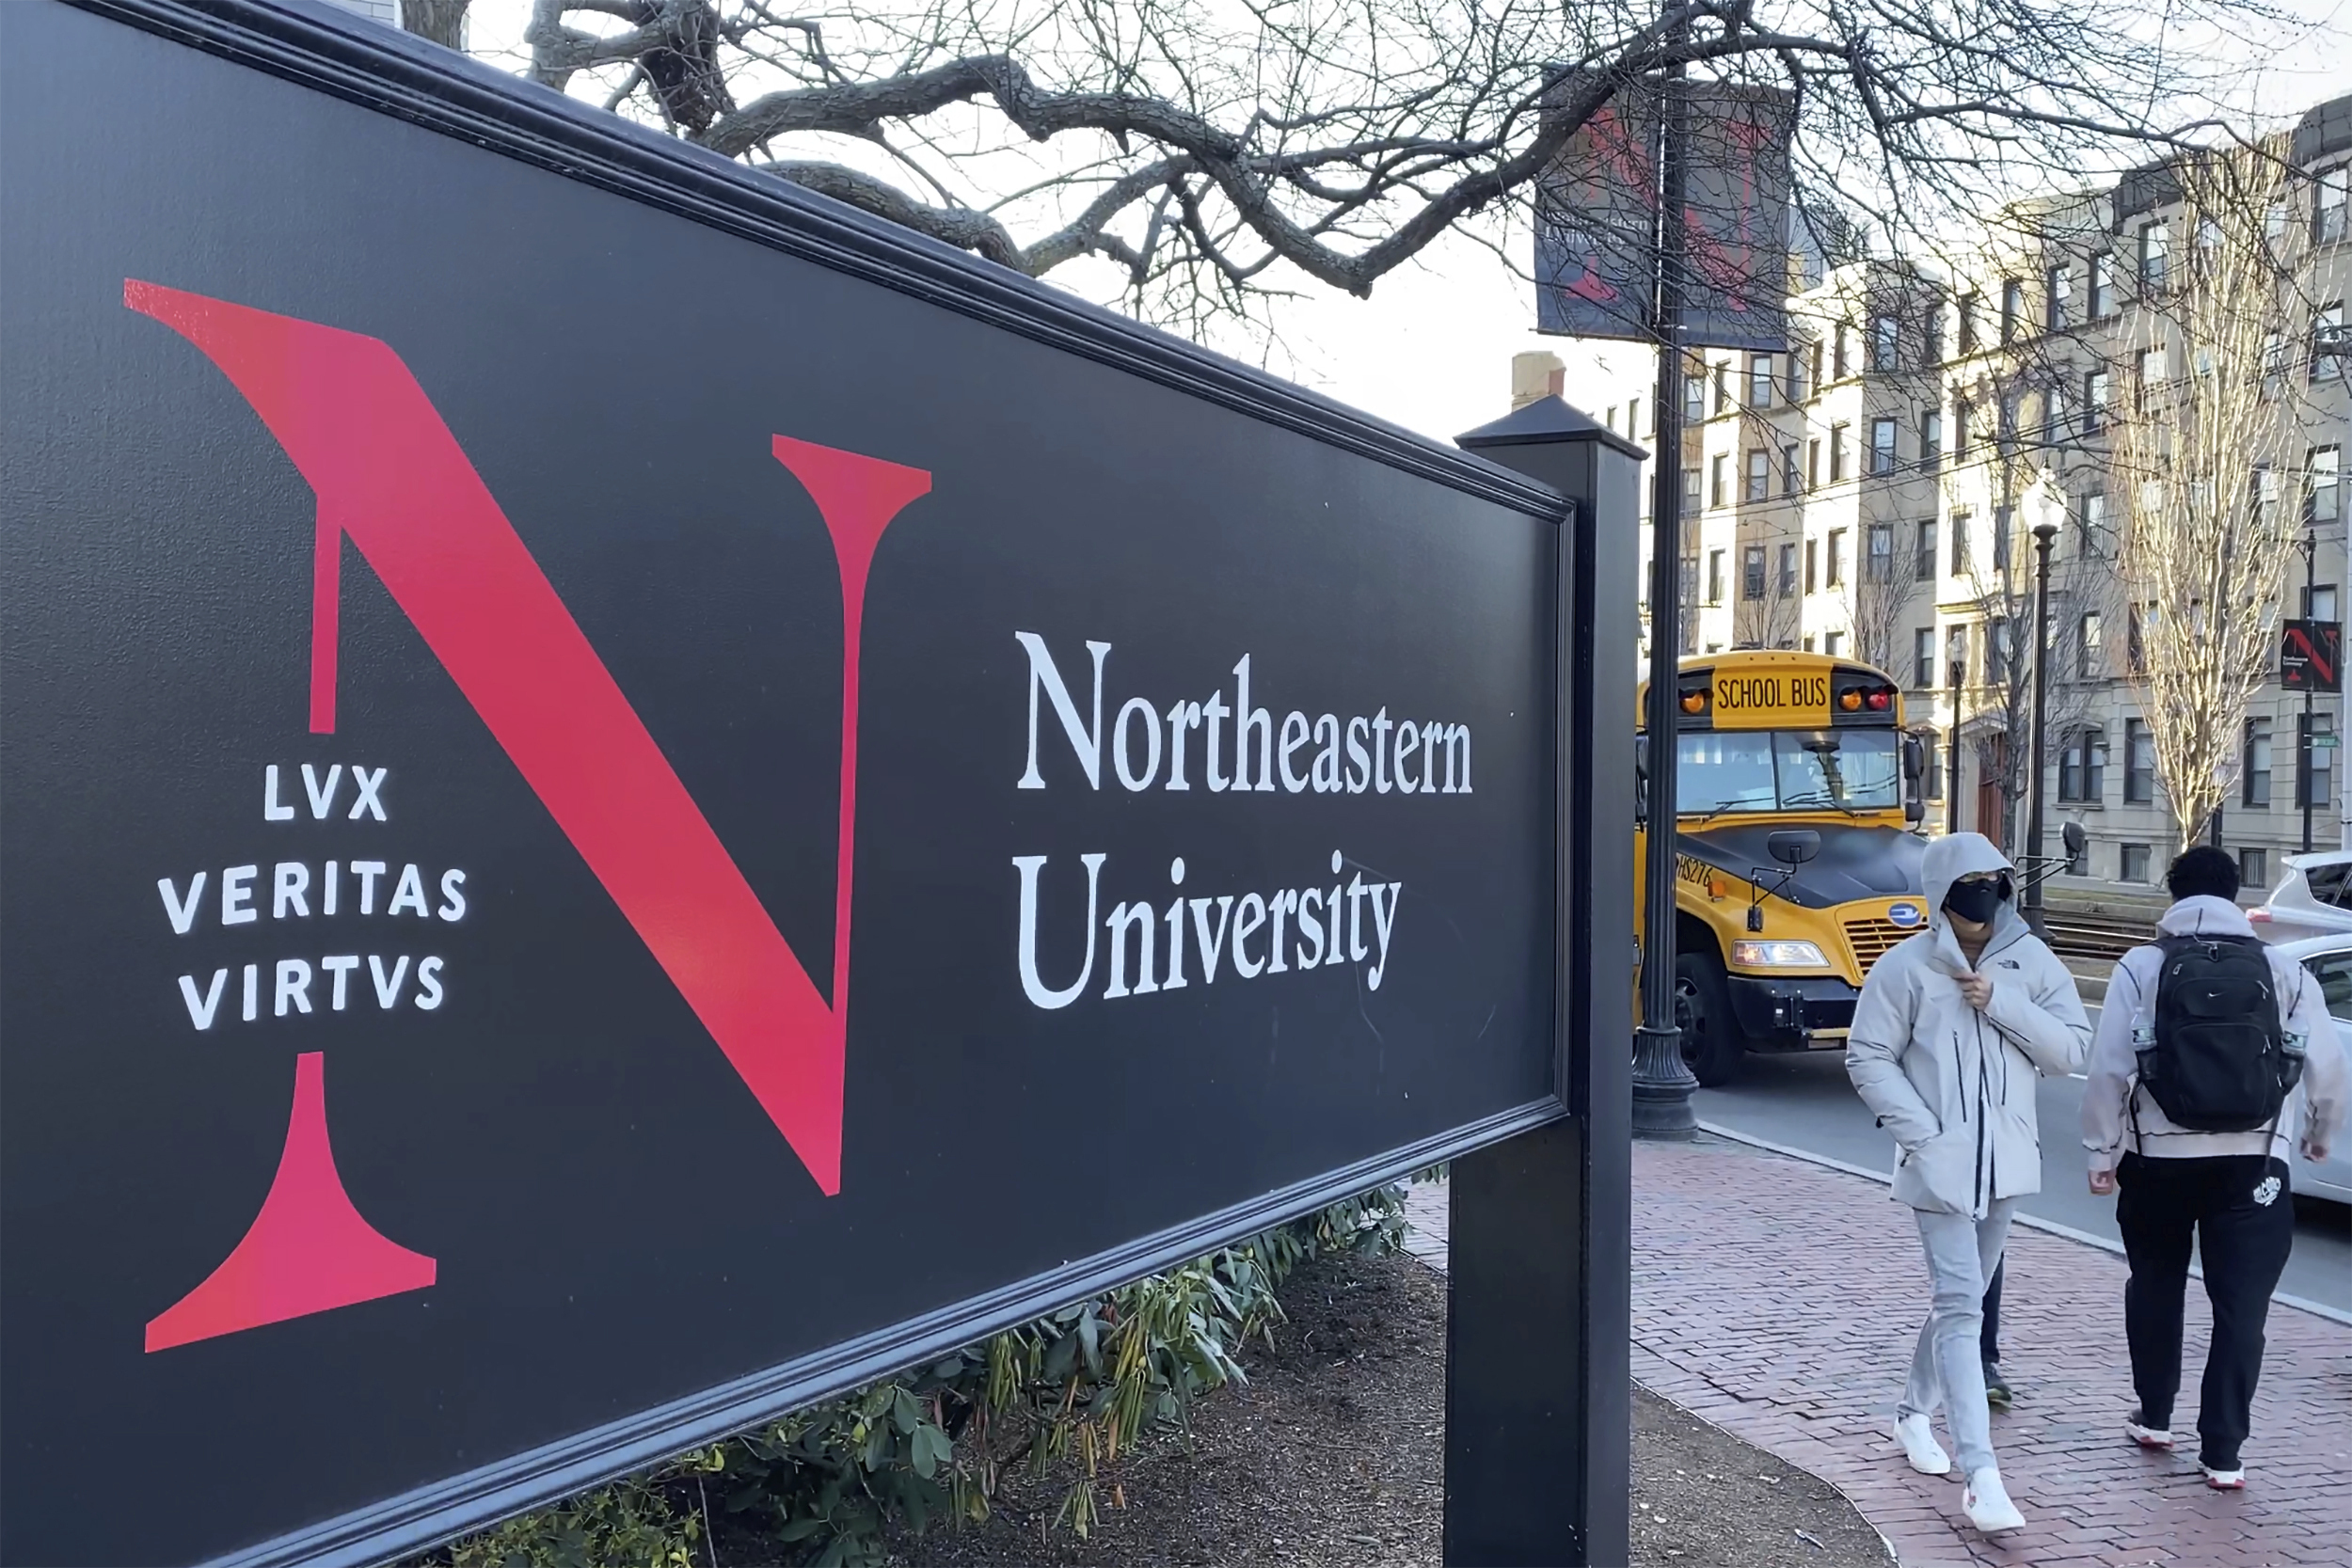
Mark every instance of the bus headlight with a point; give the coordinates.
(1778, 955)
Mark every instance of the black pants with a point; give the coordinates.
(2242, 1216)
(1989, 1342)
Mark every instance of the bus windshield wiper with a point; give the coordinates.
(1735, 803)
(1816, 798)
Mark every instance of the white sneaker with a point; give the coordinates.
(2223, 1481)
(1987, 1503)
(1925, 1454)
(2159, 1438)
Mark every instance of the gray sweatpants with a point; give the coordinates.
(1945, 1366)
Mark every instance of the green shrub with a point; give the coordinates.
(1065, 1395)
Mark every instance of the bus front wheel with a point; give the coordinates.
(1711, 1043)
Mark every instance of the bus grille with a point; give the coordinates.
(1871, 939)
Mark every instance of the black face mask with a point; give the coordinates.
(1977, 901)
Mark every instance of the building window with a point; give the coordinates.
(1759, 474)
(1813, 380)
(1923, 656)
(2323, 495)
(1997, 650)
(1714, 577)
(2054, 414)
(1882, 446)
(1690, 492)
(2135, 642)
(1633, 417)
(1880, 562)
(1968, 324)
(2140, 763)
(2013, 308)
(2135, 862)
(2255, 786)
(2094, 525)
(2253, 869)
(1837, 358)
(2155, 240)
(2089, 649)
(2328, 343)
(1792, 475)
(2102, 286)
(1836, 452)
(1788, 570)
(1960, 544)
(1885, 343)
(2005, 430)
(1960, 430)
(1834, 643)
(1719, 480)
(1812, 563)
(1613, 420)
(1956, 655)
(2002, 530)
(1760, 381)
(1722, 386)
(1932, 439)
(2058, 289)
(2095, 395)
(2083, 766)
(1932, 786)
(2319, 602)
(1923, 559)
(1935, 333)
(1813, 464)
(1836, 556)
(1694, 395)
(1751, 571)
(2331, 203)
(1808, 645)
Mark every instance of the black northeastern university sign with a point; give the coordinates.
(627, 799)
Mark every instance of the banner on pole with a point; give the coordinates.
(1595, 219)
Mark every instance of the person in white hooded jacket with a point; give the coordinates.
(1953, 1027)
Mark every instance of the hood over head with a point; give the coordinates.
(1954, 856)
(2203, 914)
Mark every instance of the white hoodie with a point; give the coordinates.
(2109, 1112)
(1955, 1086)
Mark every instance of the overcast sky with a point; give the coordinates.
(1431, 349)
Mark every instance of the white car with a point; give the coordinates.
(2329, 960)
(2313, 900)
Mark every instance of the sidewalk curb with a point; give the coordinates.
(2301, 1303)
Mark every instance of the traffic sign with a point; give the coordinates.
(2310, 656)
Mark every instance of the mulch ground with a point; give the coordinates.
(1333, 1457)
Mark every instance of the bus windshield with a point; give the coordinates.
(1794, 771)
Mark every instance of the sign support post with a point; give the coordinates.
(1539, 1242)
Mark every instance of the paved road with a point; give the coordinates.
(1805, 1101)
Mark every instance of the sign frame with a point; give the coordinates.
(2310, 656)
(398, 76)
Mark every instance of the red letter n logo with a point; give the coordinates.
(391, 477)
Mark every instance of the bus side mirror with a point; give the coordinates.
(2078, 845)
(1915, 769)
(1793, 845)
(1641, 779)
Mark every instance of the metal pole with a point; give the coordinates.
(2043, 534)
(2303, 736)
(1951, 784)
(1663, 1083)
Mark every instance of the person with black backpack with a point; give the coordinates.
(2215, 1054)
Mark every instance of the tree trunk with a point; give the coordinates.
(443, 22)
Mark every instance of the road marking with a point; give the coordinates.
(2032, 1222)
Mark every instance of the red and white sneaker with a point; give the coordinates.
(2232, 1480)
(2157, 1439)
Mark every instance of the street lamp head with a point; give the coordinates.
(2043, 534)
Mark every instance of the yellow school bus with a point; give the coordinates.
(1795, 861)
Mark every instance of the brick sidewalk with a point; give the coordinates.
(1779, 1300)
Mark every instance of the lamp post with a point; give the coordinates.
(2310, 546)
(1663, 1081)
(1951, 784)
(2044, 532)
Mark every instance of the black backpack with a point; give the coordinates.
(2219, 1061)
